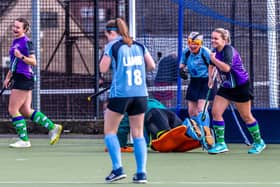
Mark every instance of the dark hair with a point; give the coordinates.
(26, 25)
(118, 25)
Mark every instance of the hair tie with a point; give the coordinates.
(111, 29)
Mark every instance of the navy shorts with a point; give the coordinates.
(242, 93)
(21, 82)
(198, 89)
(130, 105)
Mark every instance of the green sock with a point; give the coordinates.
(20, 125)
(219, 128)
(255, 131)
(41, 119)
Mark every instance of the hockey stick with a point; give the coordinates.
(102, 91)
(203, 116)
(2, 90)
(98, 93)
(247, 142)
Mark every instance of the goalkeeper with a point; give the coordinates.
(195, 61)
(164, 130)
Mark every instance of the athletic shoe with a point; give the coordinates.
(115, 175)
(127, 149)
(139, 178)
(20, 144)
(54, 134)
(257, 148)
(218, 148)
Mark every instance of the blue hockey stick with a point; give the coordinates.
(247, 142)
(203, 116)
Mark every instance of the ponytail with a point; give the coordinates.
(123, 31)
(118, 25)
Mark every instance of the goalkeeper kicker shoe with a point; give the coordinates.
(20, 144)
(125, 149)
(115, 175)
(55, 134)
(218, 148)
(257, 148)
(139, 178)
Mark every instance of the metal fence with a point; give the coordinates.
(71, 40)
(67, 53)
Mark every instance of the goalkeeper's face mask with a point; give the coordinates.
(195, 40)
(194, 45)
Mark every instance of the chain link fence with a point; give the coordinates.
(71, 41)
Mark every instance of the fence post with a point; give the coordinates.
(180, 47)
(272, 54)
(36, 41)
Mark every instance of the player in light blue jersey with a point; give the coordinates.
(195, 61)
(129, 61)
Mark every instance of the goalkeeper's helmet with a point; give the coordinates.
(195, 40)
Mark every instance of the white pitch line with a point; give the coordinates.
(21, 159)
(159, 183)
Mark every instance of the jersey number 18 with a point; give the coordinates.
(134, 77)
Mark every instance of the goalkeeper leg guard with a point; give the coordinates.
(206, 121)
(208, 138)
(193, 129)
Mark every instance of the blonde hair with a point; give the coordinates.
(225, 34)
(118, 25)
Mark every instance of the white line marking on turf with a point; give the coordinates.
(21, 159)
(159, 183)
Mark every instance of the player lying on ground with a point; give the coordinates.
(166, 132)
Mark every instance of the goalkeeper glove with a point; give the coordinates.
(184, 73)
